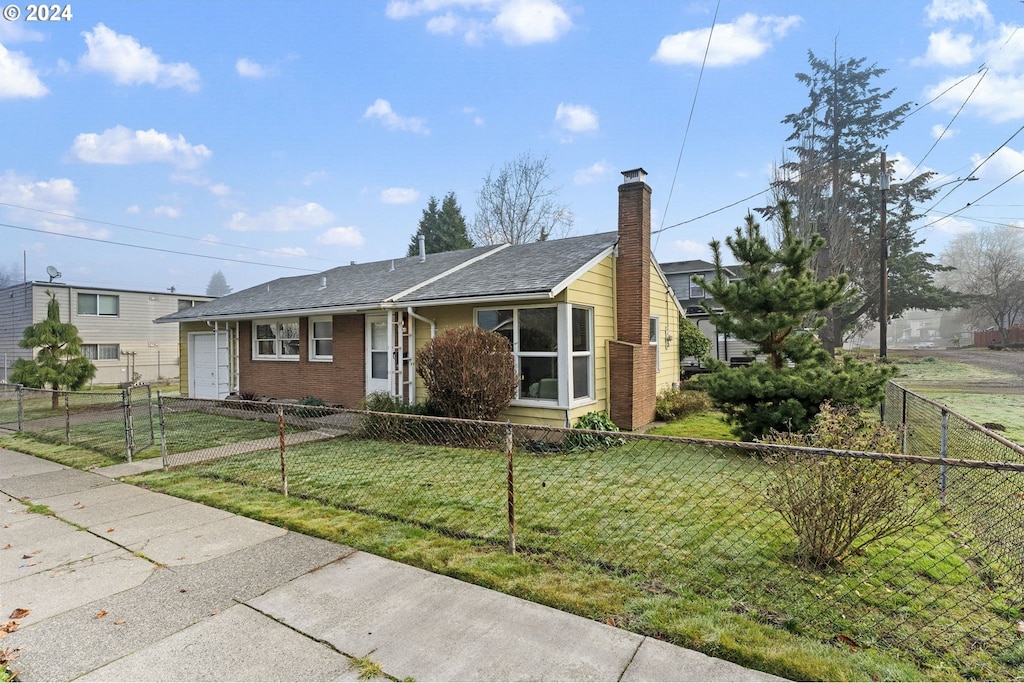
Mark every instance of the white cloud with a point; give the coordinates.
(120, 145)
(341, 236)
(16, 32)
(219, 189)
(472, 111)
(592, 174)
(516, 22)
(688, 250)
(129, 63)
(939, 132)
(1003, 164)
(53, 202)
(957, 10)
(524, 22)
(167, 211)
(576, 118)
(247, 68)
(290, 251)
(999, 97)
(133, 210)
(17, 77)
(947, 49)
(282, 219)
(950, 225)
(746, 39)
(382, 111)
(399, 195)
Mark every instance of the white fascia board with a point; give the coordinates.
(441, 276)
(560, 287)
(267, 315)
(481, 300)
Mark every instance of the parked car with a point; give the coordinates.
(924, 345)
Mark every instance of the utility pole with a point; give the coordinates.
(883, 289)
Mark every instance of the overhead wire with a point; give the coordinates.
(689, 121)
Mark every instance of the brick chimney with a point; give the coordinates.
(631, 357)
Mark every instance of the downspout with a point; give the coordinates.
(412, 350)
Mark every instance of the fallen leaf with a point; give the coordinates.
(79, 506)
(214, 612)
(846, 640)
(8, 546)
(10, 627)
(110, 530)
(119, 622)
(102, 613)
(19, 613)
(26, 557)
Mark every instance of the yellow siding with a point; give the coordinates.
(664, 307)
(596, 288)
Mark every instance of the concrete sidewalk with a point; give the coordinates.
(126, 584)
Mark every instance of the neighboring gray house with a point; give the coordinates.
(116, 326)
(693, 298)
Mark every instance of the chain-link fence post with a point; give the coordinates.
(67, 419)
(280, 432)
(903, 424)
(510, 482)
(943, 450)
(129, 431)
(163, 428)
(21, 407)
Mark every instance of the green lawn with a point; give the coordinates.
(686, 528)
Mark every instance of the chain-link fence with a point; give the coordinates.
(116, 423)
(704, 521)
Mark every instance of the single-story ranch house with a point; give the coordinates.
(592, 320)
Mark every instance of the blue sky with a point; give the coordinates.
(148, 145)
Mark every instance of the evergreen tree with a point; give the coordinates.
(59, 363)
(443, 229)
(775, 307)
(218, 285)
(832, 181)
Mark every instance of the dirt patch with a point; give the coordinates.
(1010, 362)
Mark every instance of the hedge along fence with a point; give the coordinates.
(118, 423)
(691, 520)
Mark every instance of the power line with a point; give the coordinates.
(153, 232)
(689, 120)
(165, 251)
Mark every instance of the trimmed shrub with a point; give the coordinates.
(469, 373)
(837, 505)
(597, 421)
(673, 404)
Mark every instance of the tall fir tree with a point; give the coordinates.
(59, 363)
(832, 181)
(443, 229)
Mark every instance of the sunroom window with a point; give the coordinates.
(276, 340)
(553, 349)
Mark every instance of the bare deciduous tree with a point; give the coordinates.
(989, 270)
(518, 206)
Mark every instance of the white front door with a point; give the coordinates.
(378, 354)
(207, 365)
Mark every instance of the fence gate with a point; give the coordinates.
(140, 431)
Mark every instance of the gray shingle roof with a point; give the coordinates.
(497, 272)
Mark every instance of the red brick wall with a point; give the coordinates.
(631, 360)
(341, 382)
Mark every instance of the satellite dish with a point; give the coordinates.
(52, 272)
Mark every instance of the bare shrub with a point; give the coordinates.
(469, 373)
(837, 504)
(673, 404)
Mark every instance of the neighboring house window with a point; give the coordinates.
(276, 339)
(696, 291)
(98, 304)
(653, 339)
(101, 351)
(541, 361)
(321, 339)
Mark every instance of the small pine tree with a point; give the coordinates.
(59, 363)
(775, 306)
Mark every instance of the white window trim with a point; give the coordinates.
(312, 355)
(278, 322)
(564, 355)
(97, 359)
(656, 320)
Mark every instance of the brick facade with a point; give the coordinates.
(631, 358)
(341, 382)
